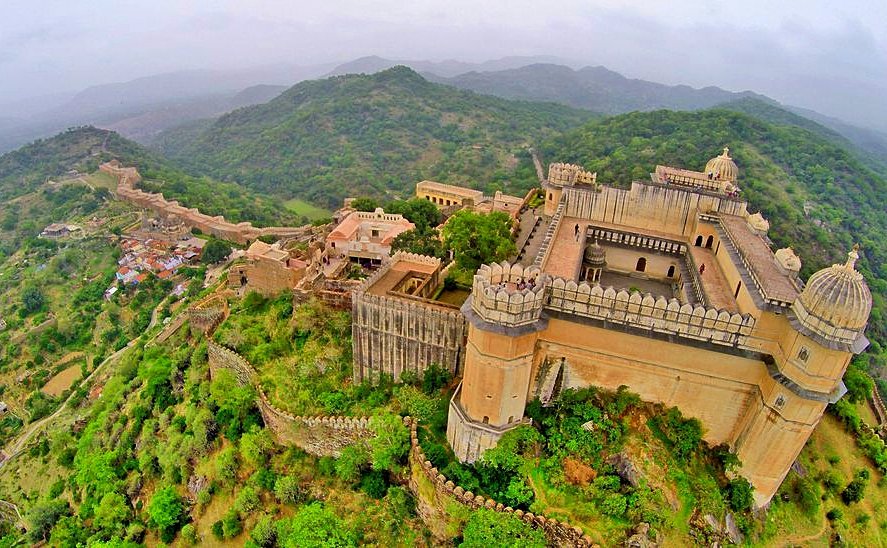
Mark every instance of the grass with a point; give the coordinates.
(303, 208)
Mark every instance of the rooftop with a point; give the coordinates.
(434, 186)
(759, 260)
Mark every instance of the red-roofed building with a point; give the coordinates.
(366, 236)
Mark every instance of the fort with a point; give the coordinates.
(669, 287)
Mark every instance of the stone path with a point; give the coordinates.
(717, 290)
(565, 256)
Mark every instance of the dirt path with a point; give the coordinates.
(540, 171)
(15, 447)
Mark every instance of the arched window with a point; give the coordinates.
(671, 271)
(550, 196)
(803, 354)
(486, 419)
(642, 265)
(511, 419)
(698, 241)
(709, 241)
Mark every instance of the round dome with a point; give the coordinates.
(835, 303)
(595, 254)
(724, 166)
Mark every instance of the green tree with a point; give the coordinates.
(33, 300)
(365, 204)
(390, 443)
(422, 213)
(263, 533)
(43, 516)
(486, 528)
(314, 526)
(166, 511)
(859, 384)
(247, 500)
(477, 238)
(215, 251)
(421, 242)
(287, 489)
(740, 495)
(111, 514)
(255, 446)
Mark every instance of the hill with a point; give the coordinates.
(141, 108)
(374, 135)
(82, 149)
(594, 88)
(819, 197)
(373, 63)
(602, 90)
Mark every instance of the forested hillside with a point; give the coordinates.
(370, 135)
(819, 198)
(23, 171)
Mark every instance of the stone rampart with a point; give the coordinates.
(650, 313)
(217, 226)
(435, 495)
(321, 436)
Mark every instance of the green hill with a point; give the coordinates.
(370, 135)
(818, 196)
(24, 170)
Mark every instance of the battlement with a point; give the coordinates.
(650, 313)
(570, 175)
(508, 295)
(511, 296)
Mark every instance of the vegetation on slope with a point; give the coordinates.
(819, 198)
(83, 149)
(373, 135)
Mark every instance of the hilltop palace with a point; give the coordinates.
(669, 287)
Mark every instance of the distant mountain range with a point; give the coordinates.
(144, 108)
(376, 135)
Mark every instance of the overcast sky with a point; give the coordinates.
(830, 55)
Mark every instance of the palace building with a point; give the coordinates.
(669, 287)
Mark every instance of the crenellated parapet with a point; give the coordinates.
(508, 295)
(434, 505)
(651, 313)
(570, 174)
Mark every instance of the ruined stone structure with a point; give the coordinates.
(669, 287)
(268, 269)
(397, 326)
(242, 233)
(366, 237)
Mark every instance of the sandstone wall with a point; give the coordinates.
(321, 436)
(436, 495)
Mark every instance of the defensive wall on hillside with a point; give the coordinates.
(328, 435)
(241, 233)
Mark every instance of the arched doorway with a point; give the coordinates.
(709, 241)
(698, 241)
(671, 271)
(642, 265)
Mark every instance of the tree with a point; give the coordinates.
(33, 300)
(44, 516)
(391, 441)
(255, 446)
(477, 238)
(486, 528)
(166, 512)
(263, 533)
(859, 384)
(364, 204)
(215, 251)
(740, 495)
(419, 241)
(422, 213)
(314, 525)
(111, 514)
(287, 489)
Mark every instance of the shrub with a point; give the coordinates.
(740, 495)
(834, 514)
(373, 484)
(486, 528)
(855, 490)
(247, 500)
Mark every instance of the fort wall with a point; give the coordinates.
(217, 226)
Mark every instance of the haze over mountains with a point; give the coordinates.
(143, 108)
